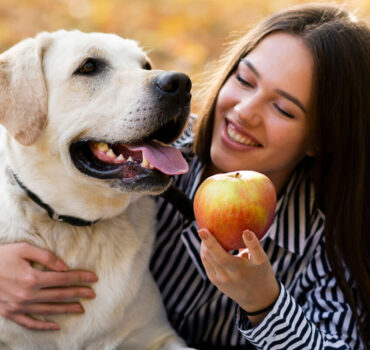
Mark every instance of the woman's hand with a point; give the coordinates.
(25, 290)
(247, 278)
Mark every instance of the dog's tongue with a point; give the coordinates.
(166, 159)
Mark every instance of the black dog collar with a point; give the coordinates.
(52, 214)
(180, 201)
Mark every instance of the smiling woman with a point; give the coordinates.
(260, 119)
(289, 99)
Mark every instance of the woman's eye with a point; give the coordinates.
(283, 112)
(242, 81)
(88, 67)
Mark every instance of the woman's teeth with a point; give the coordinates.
(239, 138)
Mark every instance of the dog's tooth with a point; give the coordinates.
(110, 153)
(120, 157)
(160, 142)
(145, 162)
(102, 146)
(130, 159)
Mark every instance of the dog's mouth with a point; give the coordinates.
(149, 159)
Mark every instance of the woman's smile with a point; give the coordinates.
(235, 138)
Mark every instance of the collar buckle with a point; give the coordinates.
(52, 214)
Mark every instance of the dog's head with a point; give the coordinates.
(89, 107)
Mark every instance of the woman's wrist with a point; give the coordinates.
(257, 315)
(264, 310)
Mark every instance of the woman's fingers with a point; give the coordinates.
(210, 270)
(31, 323)
(53, 309)
(41, 256)
(216, 260)
(45, 279)
(214, 252)
(217, 255)
(25, 290)
(54, 295)
(255, 254)
(33, 286)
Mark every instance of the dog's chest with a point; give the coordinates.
(118, 251)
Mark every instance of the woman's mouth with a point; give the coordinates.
(236, 137)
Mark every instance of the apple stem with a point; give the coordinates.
(237, 174)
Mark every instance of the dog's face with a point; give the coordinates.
(94, 109)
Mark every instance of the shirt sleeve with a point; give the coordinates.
(323, 321)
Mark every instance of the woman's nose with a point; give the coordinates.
(249, 112)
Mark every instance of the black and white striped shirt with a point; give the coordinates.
(310, 312)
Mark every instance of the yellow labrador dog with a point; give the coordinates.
(86, 128)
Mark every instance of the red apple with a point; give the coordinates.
(227, 204)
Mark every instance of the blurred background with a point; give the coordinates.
(183, 35)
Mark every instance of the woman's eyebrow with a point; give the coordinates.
(280, 92)
(251, 67)
(291, 98)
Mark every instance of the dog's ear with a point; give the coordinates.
(23, 94)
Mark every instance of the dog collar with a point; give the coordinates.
(52, 214)
(180, 201)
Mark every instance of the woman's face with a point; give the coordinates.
(261, 111)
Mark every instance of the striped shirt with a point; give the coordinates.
(310, 312)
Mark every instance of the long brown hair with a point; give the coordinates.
(340, 128)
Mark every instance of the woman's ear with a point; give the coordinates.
(23, 95)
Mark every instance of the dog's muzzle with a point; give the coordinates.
(148, 162)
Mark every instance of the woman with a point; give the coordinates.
(290, 100)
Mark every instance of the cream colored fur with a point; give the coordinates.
(44, 107)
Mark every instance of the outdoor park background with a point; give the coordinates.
(182, 35)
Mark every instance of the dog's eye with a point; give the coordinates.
(147, 66)
(88, 67)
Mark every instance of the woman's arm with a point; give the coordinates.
(25, 290)
(324, 321)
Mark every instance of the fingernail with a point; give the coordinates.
(78, 308)
(248, 235)
(203, 234)
(61, 265)
(91, 278)
(89, 294)
(54, 327)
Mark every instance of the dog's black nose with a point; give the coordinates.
(174, 84)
